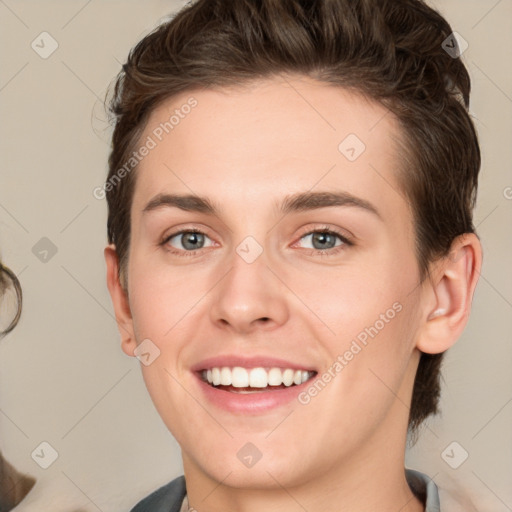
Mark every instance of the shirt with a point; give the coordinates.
(173, 496)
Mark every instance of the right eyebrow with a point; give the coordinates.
(190, 203)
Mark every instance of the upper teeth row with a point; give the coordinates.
(239, 377)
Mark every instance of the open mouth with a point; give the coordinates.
(254, 380)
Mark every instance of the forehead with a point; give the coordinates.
(269, 138)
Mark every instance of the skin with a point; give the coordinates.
(247, 149)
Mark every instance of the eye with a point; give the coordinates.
(188, 240)
(324, 241)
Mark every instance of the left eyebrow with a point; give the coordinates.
(313, 200)
(300, 202)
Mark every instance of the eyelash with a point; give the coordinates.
(313, 252)
(328, 230)
(180, 232)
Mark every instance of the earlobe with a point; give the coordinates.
(448, 295)
(119, 301)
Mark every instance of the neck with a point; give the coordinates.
(371, 478)
(316, 497)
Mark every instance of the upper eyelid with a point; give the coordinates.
(187, 229)
(344, 234)
(344, 239)
(173, 234)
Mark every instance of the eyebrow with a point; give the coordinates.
(313, 200)
(300, 202)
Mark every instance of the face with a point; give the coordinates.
(271, 247)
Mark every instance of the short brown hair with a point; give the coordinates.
(392, 51)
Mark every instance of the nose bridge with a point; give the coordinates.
(249, 292)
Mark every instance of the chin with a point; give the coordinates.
(239, 464)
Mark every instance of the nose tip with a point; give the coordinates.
(249, 296)
(244, 321)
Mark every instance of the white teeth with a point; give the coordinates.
(258, 378)
(275, 377)
(225, 376)
(288, 377)
(239, 377)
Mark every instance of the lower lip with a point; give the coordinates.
(256, 402)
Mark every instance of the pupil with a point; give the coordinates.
(190, 239)
(323, 238)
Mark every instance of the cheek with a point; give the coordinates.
(351, 301)
(367, 325)
(161, 301)
(370, 359)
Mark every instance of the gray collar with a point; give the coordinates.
(425, 488)
(173, 496)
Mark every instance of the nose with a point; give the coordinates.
(248, 297)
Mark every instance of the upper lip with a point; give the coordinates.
(231, 360)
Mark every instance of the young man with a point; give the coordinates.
(291, 248)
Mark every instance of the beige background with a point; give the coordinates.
(63, 377)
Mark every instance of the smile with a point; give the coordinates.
(251, 380)
(252, 385)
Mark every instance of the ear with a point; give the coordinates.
(120, 301)
(448, 295)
